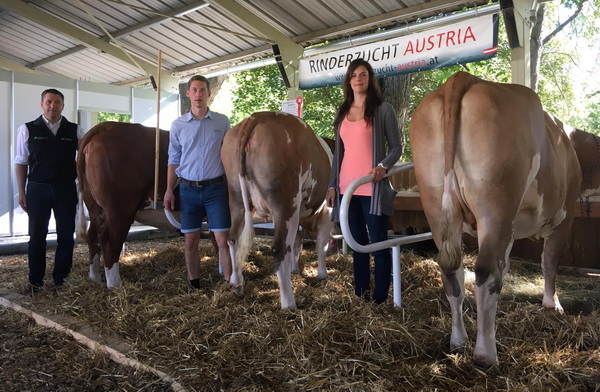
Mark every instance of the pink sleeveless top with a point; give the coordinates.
(358, 154)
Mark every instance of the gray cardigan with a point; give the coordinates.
(385, 128)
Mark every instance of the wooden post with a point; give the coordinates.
(157, 142)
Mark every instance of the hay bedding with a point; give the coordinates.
(213, 340)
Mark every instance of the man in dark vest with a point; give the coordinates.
(45, 169)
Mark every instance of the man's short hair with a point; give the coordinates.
(199, 78)
(53, 91)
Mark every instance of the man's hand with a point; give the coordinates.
(23, 201)
(169, 200)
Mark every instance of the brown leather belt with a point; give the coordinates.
(212, 181)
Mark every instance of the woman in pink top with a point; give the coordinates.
(364, 127)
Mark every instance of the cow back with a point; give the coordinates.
(116, 165)
(275, 151)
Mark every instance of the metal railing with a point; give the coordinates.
(393, 243)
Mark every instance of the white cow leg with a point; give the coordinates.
(454, 285)
(94, 274)
(113, 276)
(237, 279)
(284, 277)
(297, 249)
(325, 226)
(485, 354)
(550, 257)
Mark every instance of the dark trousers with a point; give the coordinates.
(41, 200)
(367, 228)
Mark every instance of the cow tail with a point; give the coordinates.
(245, 134)
(245, 240)
(450, 255)
(81, 224)
(81, 232)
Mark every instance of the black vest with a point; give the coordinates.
(52, 158)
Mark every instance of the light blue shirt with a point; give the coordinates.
(195, 145)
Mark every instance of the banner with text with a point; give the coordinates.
(459, 43)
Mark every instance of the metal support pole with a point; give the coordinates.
(397, 285)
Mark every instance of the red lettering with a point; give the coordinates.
(450, 38)
(431, 42)
(469, 35)
(409, 48)
(420, 48)
(441, 36)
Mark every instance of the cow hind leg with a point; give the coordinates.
(241, 232)
(554, 247)
(112, 244)
(454, 286)
(94, 252)
(283, 255)
(447, 229)
(495, 243)
(325, 225)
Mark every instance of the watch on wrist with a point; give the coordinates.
(381, 165)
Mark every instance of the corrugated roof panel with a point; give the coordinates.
(240, 37)
(68, 12)
(303, 11)
(329, 18)
(30, 43)
(186, 46)
(278, 16)
(343, 10)
(94, 67)
(387, 5)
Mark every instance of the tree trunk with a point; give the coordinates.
(535, 41)
(396, 91)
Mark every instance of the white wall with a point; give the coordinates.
(6, 193)
(144, 109)
(20, 96)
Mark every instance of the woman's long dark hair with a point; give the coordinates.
(373, 100)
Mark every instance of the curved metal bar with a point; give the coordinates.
(393, 243)
(378, 245)
(172, 219)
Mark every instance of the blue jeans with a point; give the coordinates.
(198, 202)
(367, 228)
(41, 200)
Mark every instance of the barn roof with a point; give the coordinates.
(117, 41)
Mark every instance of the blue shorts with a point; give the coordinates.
(199, 202)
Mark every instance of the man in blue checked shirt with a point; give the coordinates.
(195, 158)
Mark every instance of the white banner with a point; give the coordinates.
(459, 43)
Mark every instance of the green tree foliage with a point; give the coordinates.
(103, 116)
(263, 89)
(320, 106)
(257, 90)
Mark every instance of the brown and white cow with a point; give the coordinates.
(276, 167)
(486, 163)
(587, 147)
(115, 167)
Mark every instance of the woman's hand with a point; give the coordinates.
(330, 198)
(378, 172)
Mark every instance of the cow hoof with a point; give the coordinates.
(484, 364)
(323, 276)
(457, 348)
(236, 289)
